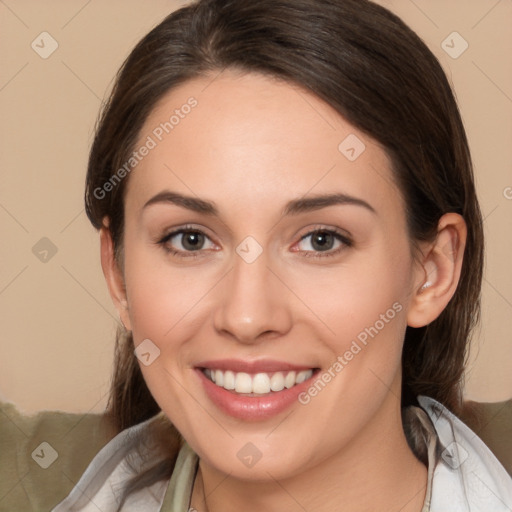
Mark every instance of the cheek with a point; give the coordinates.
(165, 307)
(362, 306)
(359, 299)
(364, 312)
(161, 297)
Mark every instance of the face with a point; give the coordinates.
(265, 245)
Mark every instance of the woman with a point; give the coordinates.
(290, 233)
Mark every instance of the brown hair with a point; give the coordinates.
(379, 75)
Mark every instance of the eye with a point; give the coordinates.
(189, 242)
(327, 241)
(186, 240)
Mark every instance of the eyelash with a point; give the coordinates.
(346, 242)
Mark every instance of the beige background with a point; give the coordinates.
(57, 321)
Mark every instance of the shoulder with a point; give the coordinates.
(468, 477)
(43, 454)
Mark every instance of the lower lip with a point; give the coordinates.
(253, 408)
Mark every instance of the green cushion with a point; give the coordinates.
(30, 480)
(492, 422)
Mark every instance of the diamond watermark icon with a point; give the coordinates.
(44, 250)
(44, 45)
(249, 455)
(249, 249)
(454, 45)
(45, 455)
(147, 352)
(454, 455)
(351, 147)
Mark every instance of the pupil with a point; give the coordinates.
(323, 241)
(192, 240)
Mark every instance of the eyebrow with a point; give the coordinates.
(293, 207)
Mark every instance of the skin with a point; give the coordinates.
(251, 145)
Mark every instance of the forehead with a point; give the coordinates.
(244, 139)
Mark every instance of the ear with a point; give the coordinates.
(113, 275)
(439, 271)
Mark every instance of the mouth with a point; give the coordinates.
(257, 384)
(254, 390)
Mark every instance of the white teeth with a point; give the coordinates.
(260, 383)
(243, 382)
(229, 380)
(289, 380)
(277, 382)
(302, 376)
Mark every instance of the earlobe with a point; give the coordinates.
(439, 271)
(113, 275)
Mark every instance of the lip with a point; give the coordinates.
(247, 407)
(256, 366)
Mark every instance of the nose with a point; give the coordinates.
(253, 303)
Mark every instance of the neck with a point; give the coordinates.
(377, 471)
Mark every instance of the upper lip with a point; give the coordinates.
(257, 366)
